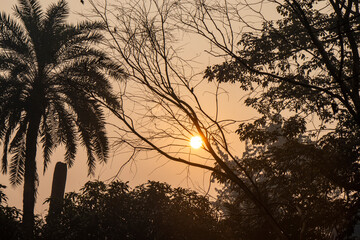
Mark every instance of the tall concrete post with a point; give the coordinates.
(58, 189)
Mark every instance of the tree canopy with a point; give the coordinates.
(286, 69)
(150, 211)
(50, 74)
(299, 70)
(10, 218)
(302, 75)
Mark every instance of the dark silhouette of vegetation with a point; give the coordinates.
(305, 202)
(300, 72)
(10, 219)
(302, 75)
(163, 91)
(150, 211)
(51, 72)
(116, 211)
(298, 179)
(305, 66)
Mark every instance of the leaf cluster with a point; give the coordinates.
(52, 71)
(150, 211)
(294, 180)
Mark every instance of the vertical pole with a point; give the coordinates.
(57, 190)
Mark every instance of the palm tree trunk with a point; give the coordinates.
(30, 176)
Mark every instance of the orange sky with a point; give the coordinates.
(154, 168)
(136, 173)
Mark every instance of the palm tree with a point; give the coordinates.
(51, 74)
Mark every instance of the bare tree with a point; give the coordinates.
(312, 46)
(161, 107)
(304, 62)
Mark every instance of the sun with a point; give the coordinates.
(196, 142)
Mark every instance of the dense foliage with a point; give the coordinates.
(305, 69)
(150, 211)
(10, 219)
(292, 182)
(51, 74)
(300, 72)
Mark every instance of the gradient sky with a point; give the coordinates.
(143, 169)
(136, 173)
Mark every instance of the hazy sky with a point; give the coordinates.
(77, 175)
(136, 173)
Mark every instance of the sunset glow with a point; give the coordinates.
(196, 142)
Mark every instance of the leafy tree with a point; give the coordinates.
(51, 73)
(10, 219)
(298, 71)
(306, 65)
(150, 211)
(290, 180)
(164, 107)
(306, 61)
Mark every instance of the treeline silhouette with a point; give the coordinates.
(116, 211)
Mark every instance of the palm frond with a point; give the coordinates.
(19, 136)
(112, 69)
(76, 74)
(72, 52)
(8, 124)
(66, 132)
(87, 143)
(87, 26)
(12, 36)
(29, 11)
(15, 79)
(99, 138)
(87, 122)
(17, 165)
(55, 15)
(101, 145)
(12, 101)
(31, 16)
(90, 161)
(53, 28)
(70, 146)
(80, 38)
(47, 143)
(3, 125)
(4, 159)
(86, 76)
(9, 119)
(11, 61)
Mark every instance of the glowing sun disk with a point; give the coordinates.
(196, 142)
